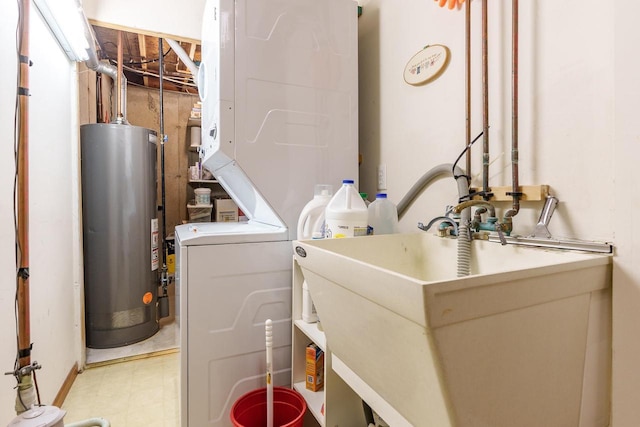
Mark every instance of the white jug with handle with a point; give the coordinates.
(311, 220)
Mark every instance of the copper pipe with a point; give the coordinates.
(120, 117)
(515, 192)
(467, 34)
(485, 104)
(24, 327)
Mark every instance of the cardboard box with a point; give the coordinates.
(199, 213)
(226, 210)
(171, 254)
(315, 368)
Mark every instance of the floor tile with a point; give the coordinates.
(141, 392)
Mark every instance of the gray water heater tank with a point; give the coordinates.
(120, 233)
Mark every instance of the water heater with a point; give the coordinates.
(120, 233)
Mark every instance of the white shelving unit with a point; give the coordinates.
(193, 157)
(203, 181)
(336, 404)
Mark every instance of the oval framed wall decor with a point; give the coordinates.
(427, 65)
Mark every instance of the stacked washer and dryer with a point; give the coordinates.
(278, 83)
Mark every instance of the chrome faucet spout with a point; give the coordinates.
(444, 219)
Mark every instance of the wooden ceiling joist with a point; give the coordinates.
(142, 44)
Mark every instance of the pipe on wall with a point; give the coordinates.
(515, 192)
(105, 68)
(486, 191)
(119, 115)
(162, 141)
(467, 27)
(22, 293)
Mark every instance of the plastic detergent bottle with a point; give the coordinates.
(311, 220)
(383, 215)
(309, 314)
(346, 213)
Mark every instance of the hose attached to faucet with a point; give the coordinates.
(462, 180)
(464, 237)
(425, 180)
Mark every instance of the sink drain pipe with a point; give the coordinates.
(91, 422)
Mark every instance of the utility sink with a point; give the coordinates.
(525, 340)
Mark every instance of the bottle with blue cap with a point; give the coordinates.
(346, 214)
(382, 215)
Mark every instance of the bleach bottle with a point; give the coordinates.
(346, 214)
(311, 221)
(383, 215)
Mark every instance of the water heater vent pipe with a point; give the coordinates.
(119, 116)
(105, 68)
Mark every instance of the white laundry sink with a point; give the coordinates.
(525, 340)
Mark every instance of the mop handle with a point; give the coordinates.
(269, 341)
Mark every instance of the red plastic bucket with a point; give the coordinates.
(250, 410)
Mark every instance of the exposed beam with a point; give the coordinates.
(186, 72)
(127, 45)
(141, 31)
(143, 55)
(192, 55)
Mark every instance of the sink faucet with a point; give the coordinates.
(462, 206)
(492, 223)
(441, 230)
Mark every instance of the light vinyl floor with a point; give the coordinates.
(167, 338)
(136, 393)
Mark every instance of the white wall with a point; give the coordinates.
(7, 257)
(579, 132)
(626, 295)
(53, 211)
(179, 19)
(55, 229)
(566, 100)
